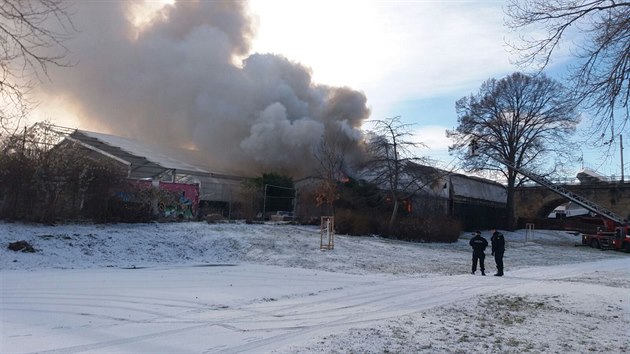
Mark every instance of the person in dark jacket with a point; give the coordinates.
(498, 248)
(478, 244)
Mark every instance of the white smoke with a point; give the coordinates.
(186, 78)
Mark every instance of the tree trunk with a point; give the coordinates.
(510, 222)
(392, 219)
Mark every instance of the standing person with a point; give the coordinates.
(498, 248)
(478, 244)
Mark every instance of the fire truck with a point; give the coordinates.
(615, 233)
(615, 230)
(612, 236)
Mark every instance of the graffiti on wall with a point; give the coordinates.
(168, 200)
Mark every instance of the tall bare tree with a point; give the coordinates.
(601, 78)
(518, 121)
(392, 158)
(32, 33)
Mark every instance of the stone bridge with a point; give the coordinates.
(537, 201)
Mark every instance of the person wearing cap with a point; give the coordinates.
(478, 244)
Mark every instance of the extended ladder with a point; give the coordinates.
(585, 203)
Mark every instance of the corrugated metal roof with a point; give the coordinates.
(145, 160)
(478, 188)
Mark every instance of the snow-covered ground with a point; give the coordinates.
(231, 288)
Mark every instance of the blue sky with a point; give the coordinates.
(411, 58)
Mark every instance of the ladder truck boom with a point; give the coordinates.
(617, 232)
(613, 237)
(578, 199)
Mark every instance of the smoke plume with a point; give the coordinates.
(185, 77)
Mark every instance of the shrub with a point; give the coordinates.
(415, 229)
(45, 184)
(131, 212)
(426, 229)
(356, 223)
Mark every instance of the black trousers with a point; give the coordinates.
(498, 258)
(478, 257)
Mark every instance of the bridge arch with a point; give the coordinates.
(550, 206)
(533, 202)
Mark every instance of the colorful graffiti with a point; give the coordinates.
(170, 200)
(187, 201)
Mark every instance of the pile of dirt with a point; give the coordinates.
(21, 246)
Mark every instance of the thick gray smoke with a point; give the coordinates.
(186, 80)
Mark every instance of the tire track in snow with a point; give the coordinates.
(366, 295)
(381, 306)
(264, 328)
(440, 292)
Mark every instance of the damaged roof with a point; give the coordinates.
(144, 160)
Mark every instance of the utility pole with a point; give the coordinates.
(264, 202)
(621, 153)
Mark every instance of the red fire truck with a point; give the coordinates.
(615, 233)
(611, 236)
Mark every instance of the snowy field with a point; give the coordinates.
(232, 288)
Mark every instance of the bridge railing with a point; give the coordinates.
(557, 180)
(574, 180)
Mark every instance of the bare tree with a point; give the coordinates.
(32, 33)
(601, 79)
(331, 156)
(392, 158)
(517, 121)
(42, 180)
